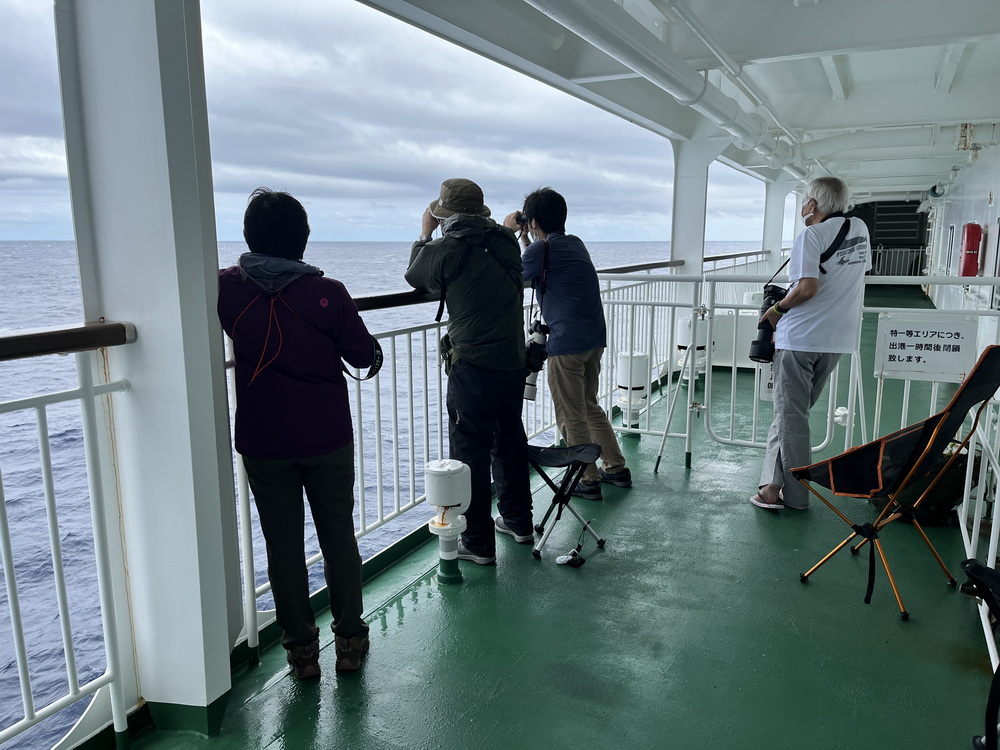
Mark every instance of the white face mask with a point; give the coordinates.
(806, 202)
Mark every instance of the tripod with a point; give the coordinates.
(575, 458)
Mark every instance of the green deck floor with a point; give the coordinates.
(689, 630)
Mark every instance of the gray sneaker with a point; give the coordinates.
(621, 478)
(588, 490)
(503, 528)
(465, 554)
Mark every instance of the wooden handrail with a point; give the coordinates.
(37, 342)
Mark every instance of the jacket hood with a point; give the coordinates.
(466, 225)
(274, 274)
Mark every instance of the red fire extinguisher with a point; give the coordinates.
(972, 237)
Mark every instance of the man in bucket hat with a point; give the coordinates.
(475, 266)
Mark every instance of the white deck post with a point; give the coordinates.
(141, 185)
(774, 219)
(692, 159)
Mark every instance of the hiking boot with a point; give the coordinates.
(503, 528)
(465, 554)
(621, 478)
(304, 660)
(588, 490)
(350, 651)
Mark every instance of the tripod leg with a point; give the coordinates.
(586, 525)
(892, 581)
(951, 579)
(670, 416)
(540, 527)
(537, 551)
(804, 577)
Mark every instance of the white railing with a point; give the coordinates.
(76, 689)
(400, 424)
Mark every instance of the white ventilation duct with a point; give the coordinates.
(619, 35)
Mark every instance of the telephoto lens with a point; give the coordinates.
(534, 357)
(762, 347)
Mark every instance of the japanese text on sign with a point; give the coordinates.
(913, 346)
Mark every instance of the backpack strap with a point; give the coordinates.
(467, 253)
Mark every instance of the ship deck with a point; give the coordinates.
(690, 629)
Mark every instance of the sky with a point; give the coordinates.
(361, 117)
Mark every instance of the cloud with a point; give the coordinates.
(362, 116)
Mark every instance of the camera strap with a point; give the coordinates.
(540, 281)
(376, 365)
(829, 252)
(837, 242)
(466, 254)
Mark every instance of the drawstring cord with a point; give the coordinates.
(272, 321)
(271, 318)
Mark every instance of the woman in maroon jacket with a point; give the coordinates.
(291, 327)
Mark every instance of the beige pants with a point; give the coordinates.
(573, 383)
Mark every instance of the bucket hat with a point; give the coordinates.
(459, 196)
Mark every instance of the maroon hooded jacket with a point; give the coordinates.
(292, 398)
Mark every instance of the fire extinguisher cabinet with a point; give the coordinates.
(972, 237)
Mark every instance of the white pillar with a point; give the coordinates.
(692, 159)
(141, 185)
(774, 218)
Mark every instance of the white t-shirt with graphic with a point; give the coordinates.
(831, 320)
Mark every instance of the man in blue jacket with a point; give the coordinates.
(291, 327)
(570, 298)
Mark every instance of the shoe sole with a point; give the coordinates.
(478, 560)
(589, 496)
(519, 538)
(617, 482)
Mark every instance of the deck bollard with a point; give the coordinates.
(448, 484)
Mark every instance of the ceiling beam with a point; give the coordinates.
(953, 55)
(833, 67)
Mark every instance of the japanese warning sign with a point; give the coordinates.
(916, 346)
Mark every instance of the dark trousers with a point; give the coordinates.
(328, 481)
(485, 431)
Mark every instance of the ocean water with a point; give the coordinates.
(39, 286)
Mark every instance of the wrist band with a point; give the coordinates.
(778, 310)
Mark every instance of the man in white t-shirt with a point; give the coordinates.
(818, 320)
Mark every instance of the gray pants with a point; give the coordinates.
(799, 378)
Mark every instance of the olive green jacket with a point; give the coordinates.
(478, 263)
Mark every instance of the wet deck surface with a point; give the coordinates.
(690, 629)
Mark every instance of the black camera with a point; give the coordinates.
(534, 356)
(521, 219)
(762, 347)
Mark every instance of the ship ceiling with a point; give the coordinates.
(891, 95)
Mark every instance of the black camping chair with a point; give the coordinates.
(575, 459)
(885, 467)
(986, 585)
